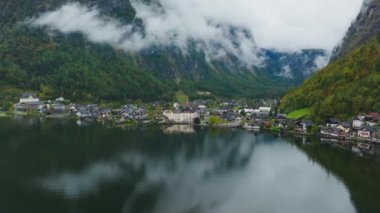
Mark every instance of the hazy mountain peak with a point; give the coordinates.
(365, 26)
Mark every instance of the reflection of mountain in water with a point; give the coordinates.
(183, 170)
(209, 172)
(361, 175)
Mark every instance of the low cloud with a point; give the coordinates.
(321, 61)
(239, 28)
(160, 29)
(286, 72)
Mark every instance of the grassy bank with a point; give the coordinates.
(299, 114)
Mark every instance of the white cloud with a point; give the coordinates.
(321, 61)
(286, 25)
(74, 17)
(286, 72)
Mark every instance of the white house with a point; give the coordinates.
(180, 117)
(202, 107)
(265, 110)
(29, 98)
(60, 99)
(345, 127)
(365, 132)
(58, 107)
(358, 122)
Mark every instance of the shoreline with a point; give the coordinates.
(345, 142)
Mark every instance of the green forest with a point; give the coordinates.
(53, 64)
(347, 87)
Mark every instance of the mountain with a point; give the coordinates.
(70, 64)
(366, 25)
(350, 84)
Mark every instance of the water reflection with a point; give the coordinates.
(178, 129)
(27, 120)
(210, 159)
(237, 172)
(75, 185)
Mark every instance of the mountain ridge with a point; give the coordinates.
(350, 84)
(361, 30)
(38, 57)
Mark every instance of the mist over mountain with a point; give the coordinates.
(124, 49)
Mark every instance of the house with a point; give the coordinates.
(128, 110)
(20, 107)
(29, 98)
(222, 110)
(231, 117)
(83, 114)
(366, 132)
(92, 107)
(374, 115)
(307, 125)
(345, 127)
(358, 122)
(58, 107)
(32, 106)
(140, 114)
(202, 107)
(204, 93)
(332, 132)
(304, 126)
(372, 119)
(72, 107)
(280, 123)
(60, 99)
(332, 122)
(264, 111)
(178, 116)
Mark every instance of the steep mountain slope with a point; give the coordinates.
(350, 85)
(54, 63)
(366, 25)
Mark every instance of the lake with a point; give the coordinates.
(64, 166)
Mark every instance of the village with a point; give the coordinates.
(363, 130)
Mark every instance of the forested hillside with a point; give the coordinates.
(350, 85)
(56, 64)
(362, 30)
(347, 87)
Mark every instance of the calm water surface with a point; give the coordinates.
(58, 166)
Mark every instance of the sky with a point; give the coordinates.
(285, 25)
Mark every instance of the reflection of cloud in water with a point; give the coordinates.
(279, 178)
(221, 176)
(76, 184)
(210, 158)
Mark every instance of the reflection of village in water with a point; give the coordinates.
(179, 129)
(359, 148)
